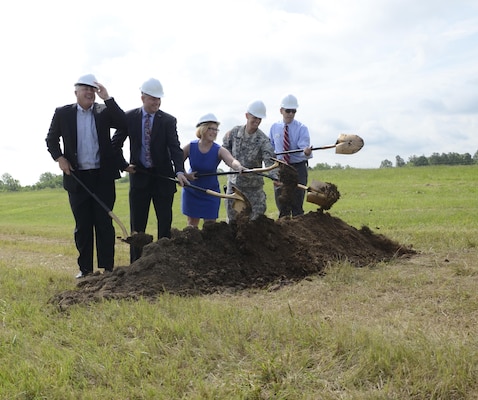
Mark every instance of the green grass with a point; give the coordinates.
(399, 330)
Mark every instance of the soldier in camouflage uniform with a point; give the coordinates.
(251, 147)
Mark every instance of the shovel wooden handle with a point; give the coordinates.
(233, 196)
(299, 185)
(331, 146)
(102, 204)
(208, 191)
(244, 171)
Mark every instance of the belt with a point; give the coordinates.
(89, 171)
(298, 163)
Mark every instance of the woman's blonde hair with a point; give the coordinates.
(201, 129)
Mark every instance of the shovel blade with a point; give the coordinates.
(348, 144)
(240, 203)
(324, 194)
(316, 198)
(138, 239)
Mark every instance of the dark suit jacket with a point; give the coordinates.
(166, 151)
(63, 125)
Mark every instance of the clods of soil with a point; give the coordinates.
(243, 255)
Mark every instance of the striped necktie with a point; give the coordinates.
(147, 140)
(286, 144)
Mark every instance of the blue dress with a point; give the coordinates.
(195, 203)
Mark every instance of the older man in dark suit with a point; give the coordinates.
(156, 160)
(84, 128)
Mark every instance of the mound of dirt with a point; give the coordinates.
(230, 257)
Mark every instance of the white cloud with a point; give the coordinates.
(402, 74)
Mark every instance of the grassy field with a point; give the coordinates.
(399, 330)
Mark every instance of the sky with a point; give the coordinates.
(401, 74)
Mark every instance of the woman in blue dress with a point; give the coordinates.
(204, 157)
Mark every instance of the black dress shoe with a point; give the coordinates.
(82, 274)
(108, 269)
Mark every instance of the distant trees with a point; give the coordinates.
(325, 166)
(418, 161)
(49, 180)
(399, 162)
(8, 184)
(450, 159)
(386, 164)
(434, 159)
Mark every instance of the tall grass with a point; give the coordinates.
(399, 330)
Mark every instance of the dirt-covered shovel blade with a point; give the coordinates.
(324, 194)
(138, 239)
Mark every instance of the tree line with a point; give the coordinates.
(50, 180)
(434, 159)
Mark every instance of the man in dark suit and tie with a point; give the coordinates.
(84, 127)
(156, 158)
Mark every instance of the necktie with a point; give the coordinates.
(147, 140)
(286, 144)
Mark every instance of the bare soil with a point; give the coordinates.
(222, 257)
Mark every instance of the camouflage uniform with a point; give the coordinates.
(252, 150)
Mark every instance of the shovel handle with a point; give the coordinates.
(208, 191)
(330, 146)
(244, 171)
(299, 185)
(213, 193)
(217, 173)
(102, 204)
(120, 224)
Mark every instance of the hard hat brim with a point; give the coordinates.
(155, 95)
(257, 116)
(86, 84)
(206, 122)
(87, 80)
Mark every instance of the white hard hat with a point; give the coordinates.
(257, 108)
(207, 118)
(88, 80)
(289, 101)
(153, 88)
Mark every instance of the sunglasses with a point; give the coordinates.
(289, 110)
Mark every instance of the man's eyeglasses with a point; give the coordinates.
(290, 110)
(213, 129)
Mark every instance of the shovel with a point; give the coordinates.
(320, 193)
(299, 185)
(314, 191)
(240, 201)
(244, 171)
(346, 144)
(137, 240)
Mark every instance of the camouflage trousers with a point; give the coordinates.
(256, 197)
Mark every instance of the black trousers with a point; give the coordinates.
(145, 189)
(296, 208)
(93, 225)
